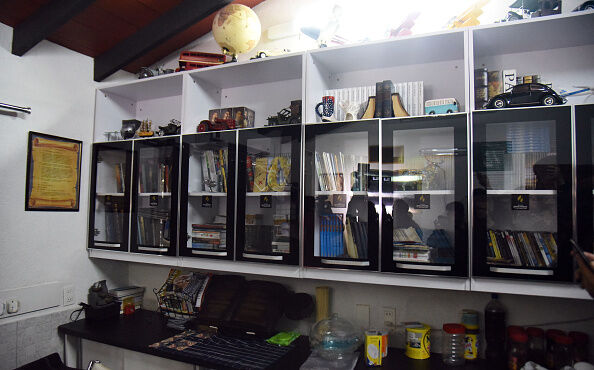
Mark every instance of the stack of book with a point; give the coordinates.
(268, 173)
(281, 240)
(154, 176)
(521, 248)
(153, 227)
(132, 295)
(209, 236)
(115, 210)
(408, 246)
(213, 164)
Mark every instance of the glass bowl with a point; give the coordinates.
(334, 338)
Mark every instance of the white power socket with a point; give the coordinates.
(68, 295)
(389, 316)
(12, 306)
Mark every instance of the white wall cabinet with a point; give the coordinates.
(559, 48)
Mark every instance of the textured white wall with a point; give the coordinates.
(38, 247)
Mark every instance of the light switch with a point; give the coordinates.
(12, 306)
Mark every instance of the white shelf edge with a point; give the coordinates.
(254, 268)
(349, 192)
(134, 257)
(209, 253)
(523, 287)
(384, 278)
(428, 192)
(164, 194)
(529, 192)
(271, 193)
(344, 262)
(110, 194)
(205, 193)
(427, 266)
(521, 271)
(106, 245)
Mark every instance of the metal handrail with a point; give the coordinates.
(15, 107)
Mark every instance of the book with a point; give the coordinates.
(387, 91)
(379, 100)
(494, 83)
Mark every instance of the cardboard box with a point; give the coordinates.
(244, 117)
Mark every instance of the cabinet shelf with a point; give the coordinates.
(529, 192)
(349, 193)
(415, 192)
(110, 194)
(271, 193)
(159, 194)
(521, 271)
(206, 193)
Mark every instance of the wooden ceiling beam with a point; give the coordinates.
(44, 22)
(154, 34)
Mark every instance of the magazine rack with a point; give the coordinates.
(175, 305)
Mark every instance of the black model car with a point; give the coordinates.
(526, 94)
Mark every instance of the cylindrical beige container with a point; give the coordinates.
(322, 303)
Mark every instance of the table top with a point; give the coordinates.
(143, 328)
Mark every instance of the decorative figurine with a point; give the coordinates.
(216, 125)
(526, 94)
(129, 127)
(145, 129)
(172, 128)
(441, 106)
(287, 116)
(350, 109)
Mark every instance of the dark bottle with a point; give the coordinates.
(495, 333)
(550, 346)
(518, 350)
(580, 346)
(562, 351)
(536, 345)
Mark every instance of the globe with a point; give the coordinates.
(236, 28)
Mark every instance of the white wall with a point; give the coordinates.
(38, 247)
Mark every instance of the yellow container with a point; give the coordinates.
(418, 343)
(373, 348)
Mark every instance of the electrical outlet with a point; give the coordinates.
(12, 306)
(68, 295)
(389, 316)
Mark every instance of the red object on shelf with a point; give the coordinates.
(189, 60)
(217, 125)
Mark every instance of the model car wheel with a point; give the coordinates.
(449, 111)
(499, 103)
(548, 100)
(432, 112)
(202, 127)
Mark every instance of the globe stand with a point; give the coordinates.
(233, 56)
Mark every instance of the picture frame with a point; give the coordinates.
(53, 173)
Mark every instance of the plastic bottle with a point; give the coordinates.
(580, 346)
(453, 344)
(518, 350)
(550, 346)
(536, 345)
(470, 320)
(495, 333)
(563, 351)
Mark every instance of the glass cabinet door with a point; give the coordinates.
(154, 204)
(522, 193)
(584, 136)
(268, 195)
(341, 187)
(424, 195)
(208, 195)
(110, 196)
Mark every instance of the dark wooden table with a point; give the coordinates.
(143, 328)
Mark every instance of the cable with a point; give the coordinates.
(78, 312)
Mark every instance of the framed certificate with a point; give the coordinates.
(53, 173)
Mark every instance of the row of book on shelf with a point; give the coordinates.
(114, 208)
(268, 173)
(153, 227)
(348, 240)
(212, 236)
(521, 248)
(214, 169)
(408, 246)
(183, 292)
(262, 238)
(154, 176)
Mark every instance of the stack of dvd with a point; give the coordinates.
(209, 236)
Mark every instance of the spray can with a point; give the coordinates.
(470, 321)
